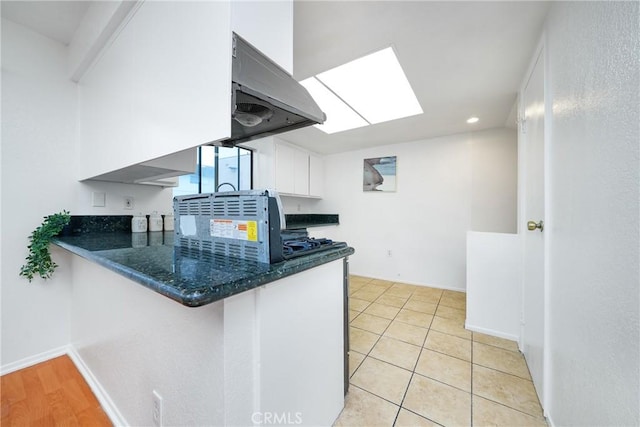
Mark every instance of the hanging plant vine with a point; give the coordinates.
(39, 260)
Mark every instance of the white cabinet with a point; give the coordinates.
(162, 172)
(268, 26)
(162, 86)
(306, 173)
(296, 376)
(289, 169)
(301, 172)
(284, 163)
(271, 337)
(316, 176)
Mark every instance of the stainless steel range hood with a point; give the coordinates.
(265, 99)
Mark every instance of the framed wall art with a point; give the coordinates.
(379, 174)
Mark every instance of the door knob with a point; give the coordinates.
(532, 225)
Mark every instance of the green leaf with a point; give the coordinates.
(39, 259)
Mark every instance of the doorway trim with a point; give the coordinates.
(540, 52)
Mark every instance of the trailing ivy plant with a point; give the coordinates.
(39, 260)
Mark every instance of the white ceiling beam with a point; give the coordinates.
(98, 27)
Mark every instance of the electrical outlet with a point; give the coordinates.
(98, 199)
(389, 253)
(157, 409)
(129, 202)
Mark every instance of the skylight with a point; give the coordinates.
(339, 116)
(369, 90)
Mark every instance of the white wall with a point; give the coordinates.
(267, 25)
(593, 82)
(268, 372)
(128, 337)
(493, 284)
(445, 187)
(300, 205)
(37, 126)
(494, 162)
(39, 178)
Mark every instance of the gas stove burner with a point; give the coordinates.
(305, 245)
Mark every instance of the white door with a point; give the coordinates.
(532, 133)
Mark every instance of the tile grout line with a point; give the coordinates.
(379, 336)
(442, 382)
(503, 404)
(378, 340)
(513, 409)
(422, 348)
(497, 346)
(470, 363)
(376, 395)
(413, 372)
(471, 399)
(501, 371)
(421, 416)
(371, 349)
(433, 315)
(374, 344)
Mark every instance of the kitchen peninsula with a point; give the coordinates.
(235, 342)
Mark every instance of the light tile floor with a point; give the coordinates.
(412, 363)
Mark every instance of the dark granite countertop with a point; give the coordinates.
(192, 278)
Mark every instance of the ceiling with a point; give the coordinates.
(57, 20)
(462, 58)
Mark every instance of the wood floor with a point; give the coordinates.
(52, 393)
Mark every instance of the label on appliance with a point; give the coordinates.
(234, 229)
(188, 225)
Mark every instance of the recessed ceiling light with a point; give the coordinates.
(471, 120)
(372, 89)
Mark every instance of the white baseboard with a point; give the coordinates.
(33, 360)
(549, 420)
(409, 282)
(486, 331)
(446, 288)
(103, 397)
(101, 394)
